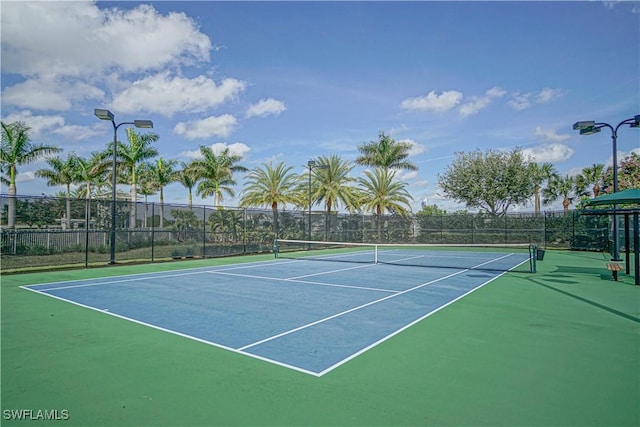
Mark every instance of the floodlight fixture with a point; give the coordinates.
(103, 114)
(583, 125)
(590, 130)
(146, 124)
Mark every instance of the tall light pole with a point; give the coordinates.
(589, 128)
(108, 115)
(311, 164)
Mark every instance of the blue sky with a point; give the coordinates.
(290, 81)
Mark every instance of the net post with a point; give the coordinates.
(275, 248)
(533, 255)
(375, 254)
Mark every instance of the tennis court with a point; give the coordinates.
(298, 313)
(558, 347)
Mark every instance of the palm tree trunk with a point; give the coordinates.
(132, 209)
(11, 219)
(537, 200)
(68, 220)
(274, 208)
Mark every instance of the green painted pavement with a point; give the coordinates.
(561, 347)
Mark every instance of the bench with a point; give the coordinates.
(614, 267)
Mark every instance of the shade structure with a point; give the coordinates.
(626, 197)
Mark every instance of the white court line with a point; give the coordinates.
(296, 280)
(147, 276)
(308, 325)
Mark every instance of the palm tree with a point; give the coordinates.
(16, 150)
(386, 153)
(188, 178)
(130, 156)
(560, 187)
(90, 172)
(380, 193)
(540, 173)
(333, 185)
(160, 174)
(591, 176)
(62, 172)
(216, 173)
(271, 186)
(146, 189)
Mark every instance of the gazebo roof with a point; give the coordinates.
(626, 197)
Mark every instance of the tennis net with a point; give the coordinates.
(496, 257)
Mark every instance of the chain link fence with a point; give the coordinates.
(55, 232)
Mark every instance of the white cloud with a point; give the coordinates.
(237, 148)
(26, 176)
(211, 126)
(266, 107)
(406, 175)
(80, 39)
(552, 153)
(550, 135)
(433, 102)
(40, 125)
(166, 95)
(416, 148)
(78, 133)
(480, 103)
(547, 95)
(49, 94)
(473, 106)
(522, 101)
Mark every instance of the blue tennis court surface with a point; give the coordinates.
(310, 316)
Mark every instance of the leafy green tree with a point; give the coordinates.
(39, 212)
(271, 186)
(560, 187)
(226, 222)
(628, 174)
(159, 175)
(215, 173)
(540, 173)
(16, 149)
(185, 222)
(62, 172)
(381, 192)
(431, 210)
(386, 153)
(491, 181)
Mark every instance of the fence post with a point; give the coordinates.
(153, 228)
(244, 230)
(204, 231)
(87, 204)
